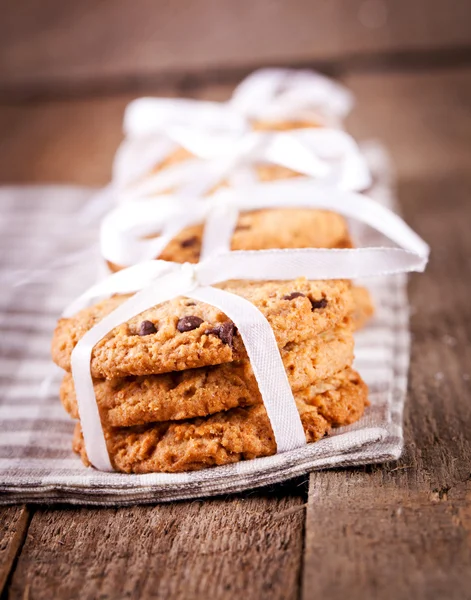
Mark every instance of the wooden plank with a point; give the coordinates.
(421, 116)
(404, 530)
(68, 141)
(248, 546)
(59, 44)
(14, 523)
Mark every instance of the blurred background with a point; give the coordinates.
(67, 69)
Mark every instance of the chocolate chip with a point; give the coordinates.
(242, 227)
(189, 242)
(189, 323)
(147, 327)
(190, 304)
(294, 295)
(322, 303)
(225, 332)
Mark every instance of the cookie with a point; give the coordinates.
(277, 228)
(184, 334)
(226, 437)
(198, 392)
(266, 229)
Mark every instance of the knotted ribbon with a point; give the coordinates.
(220, 134)
(289, 94)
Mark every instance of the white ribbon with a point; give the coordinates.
(159, 281)
(287, 94)
(123, 231)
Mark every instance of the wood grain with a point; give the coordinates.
(72, 43)
(14, 523)
(245, 546)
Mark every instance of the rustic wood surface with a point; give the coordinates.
(13, 528)
(395, 531)
(89, 43)
(244, 546)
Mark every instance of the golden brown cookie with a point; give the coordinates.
(198, 392)
(226, 437)
(184, 334)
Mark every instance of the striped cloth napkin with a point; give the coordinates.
(49, 255)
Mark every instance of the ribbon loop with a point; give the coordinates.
(287, 94)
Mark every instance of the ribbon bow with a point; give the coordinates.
(288, 94)
(221, 134)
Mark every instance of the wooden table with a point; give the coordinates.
(401, 530)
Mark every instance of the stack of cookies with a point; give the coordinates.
(174, 386)
(176, 391)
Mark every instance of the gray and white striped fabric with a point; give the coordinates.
(49, 255)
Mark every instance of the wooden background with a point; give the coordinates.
(395, 531)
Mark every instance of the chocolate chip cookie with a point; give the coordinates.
(198, 392)
(190, 334)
